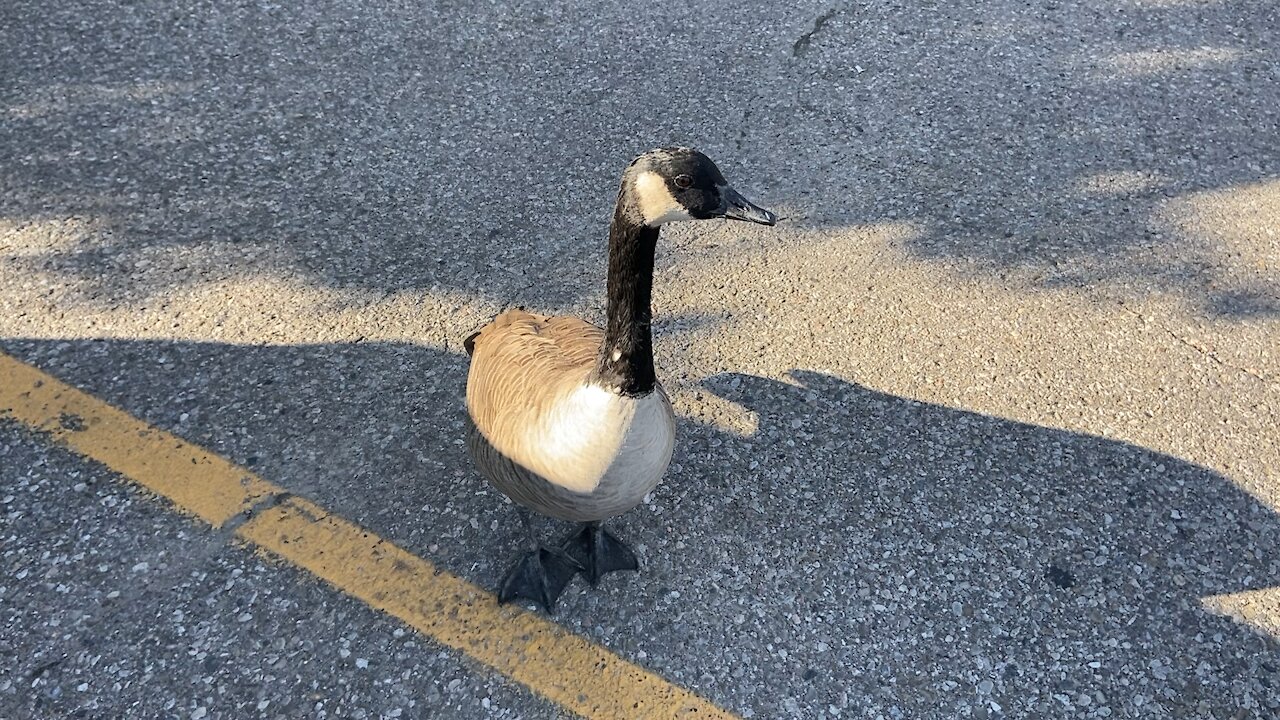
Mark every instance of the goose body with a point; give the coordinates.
(549, 437)
(568, 419)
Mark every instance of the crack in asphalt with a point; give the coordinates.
(801, 45)
(1207, 352)
(228, 528)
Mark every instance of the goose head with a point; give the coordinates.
(679, 183)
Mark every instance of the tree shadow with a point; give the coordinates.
(402, 147)
(476, 148)
(857, 550)
(1049, 139)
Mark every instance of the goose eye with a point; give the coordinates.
(683, 181)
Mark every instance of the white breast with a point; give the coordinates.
(594, 437)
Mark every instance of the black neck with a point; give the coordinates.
(626, 358)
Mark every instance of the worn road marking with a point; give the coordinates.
(575, 673)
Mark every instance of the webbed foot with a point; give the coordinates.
(540, 575)
(600, 551)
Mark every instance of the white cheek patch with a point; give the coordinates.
(656, 203)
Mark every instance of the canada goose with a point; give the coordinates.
(568, 419)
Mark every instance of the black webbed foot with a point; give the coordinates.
(540, 575)
(599, 551)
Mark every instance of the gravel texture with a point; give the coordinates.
(116, 608)
(985, 428)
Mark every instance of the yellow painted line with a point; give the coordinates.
(576, 674)
(193, 478)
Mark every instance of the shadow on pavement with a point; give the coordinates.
(1058, 140)
(923, 544)
(858, 550)
(477, 148)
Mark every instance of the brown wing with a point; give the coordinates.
(522, 362)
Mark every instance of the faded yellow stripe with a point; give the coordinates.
(196, 480)
(575, 673)
(572, 672)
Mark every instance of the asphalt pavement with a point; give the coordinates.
(985, 428)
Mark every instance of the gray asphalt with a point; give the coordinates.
(985, 428)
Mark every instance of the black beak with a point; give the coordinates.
(736, 207)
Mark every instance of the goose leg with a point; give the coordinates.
(600, 551)
(540, 574)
